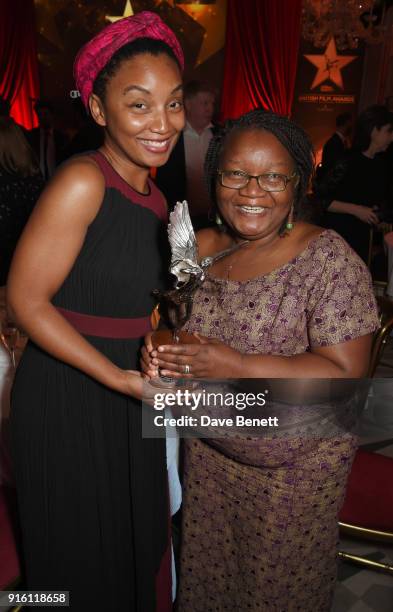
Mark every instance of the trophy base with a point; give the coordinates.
(168, 336)
(163, 382)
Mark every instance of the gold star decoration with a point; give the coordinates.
(47, 25)
(170, 2)
(212, 17)
(128, 12)
(329, 65)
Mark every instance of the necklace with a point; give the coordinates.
(229, 267)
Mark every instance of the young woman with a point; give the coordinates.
(92, 493)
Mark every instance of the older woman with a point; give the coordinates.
(260, 515)
(92, 493)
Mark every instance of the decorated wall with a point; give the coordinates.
(328, 75)
(63, 26)
(328, 83)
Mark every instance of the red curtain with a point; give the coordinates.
(261, 50)
(18, 60)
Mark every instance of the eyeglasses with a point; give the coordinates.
(237, 179)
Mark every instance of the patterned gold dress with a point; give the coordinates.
(260, 516)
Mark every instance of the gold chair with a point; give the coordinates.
(366, 534)
(382, 228)
(381, 337)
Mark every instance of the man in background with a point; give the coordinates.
(47, 142)
(88, 135)
(338, 143)
(182, 177)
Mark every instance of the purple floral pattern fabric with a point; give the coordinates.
(259, 526)
(322, 297)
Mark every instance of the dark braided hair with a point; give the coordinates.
(126, 52)
(290, 135)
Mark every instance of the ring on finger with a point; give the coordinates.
(187, 369)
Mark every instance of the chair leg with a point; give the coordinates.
(370, 248)
(366, 563)
(366, 533)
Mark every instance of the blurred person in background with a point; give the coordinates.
(20, 186)
(339, 143)
(88, 135)
(182, 178)
(356, 192)
(47, 142)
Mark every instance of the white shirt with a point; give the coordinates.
(195, 149)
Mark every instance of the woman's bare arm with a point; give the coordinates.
(345, 360)
(43, 259)
(213, 359)
(364, 213)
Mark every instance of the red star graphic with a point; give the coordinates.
(329, 65)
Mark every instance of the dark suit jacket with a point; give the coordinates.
(33, 137)
(171, 178)
(332, 152)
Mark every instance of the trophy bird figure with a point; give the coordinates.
(176, 304)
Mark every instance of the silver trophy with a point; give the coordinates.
(175, 305)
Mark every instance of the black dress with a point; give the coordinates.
(360, 180)
(92, 492)
(333, 150)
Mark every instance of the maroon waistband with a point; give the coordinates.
(107, 327)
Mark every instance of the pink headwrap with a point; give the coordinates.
(95, 54)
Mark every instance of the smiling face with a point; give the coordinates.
(143, 109)
(251, 212)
